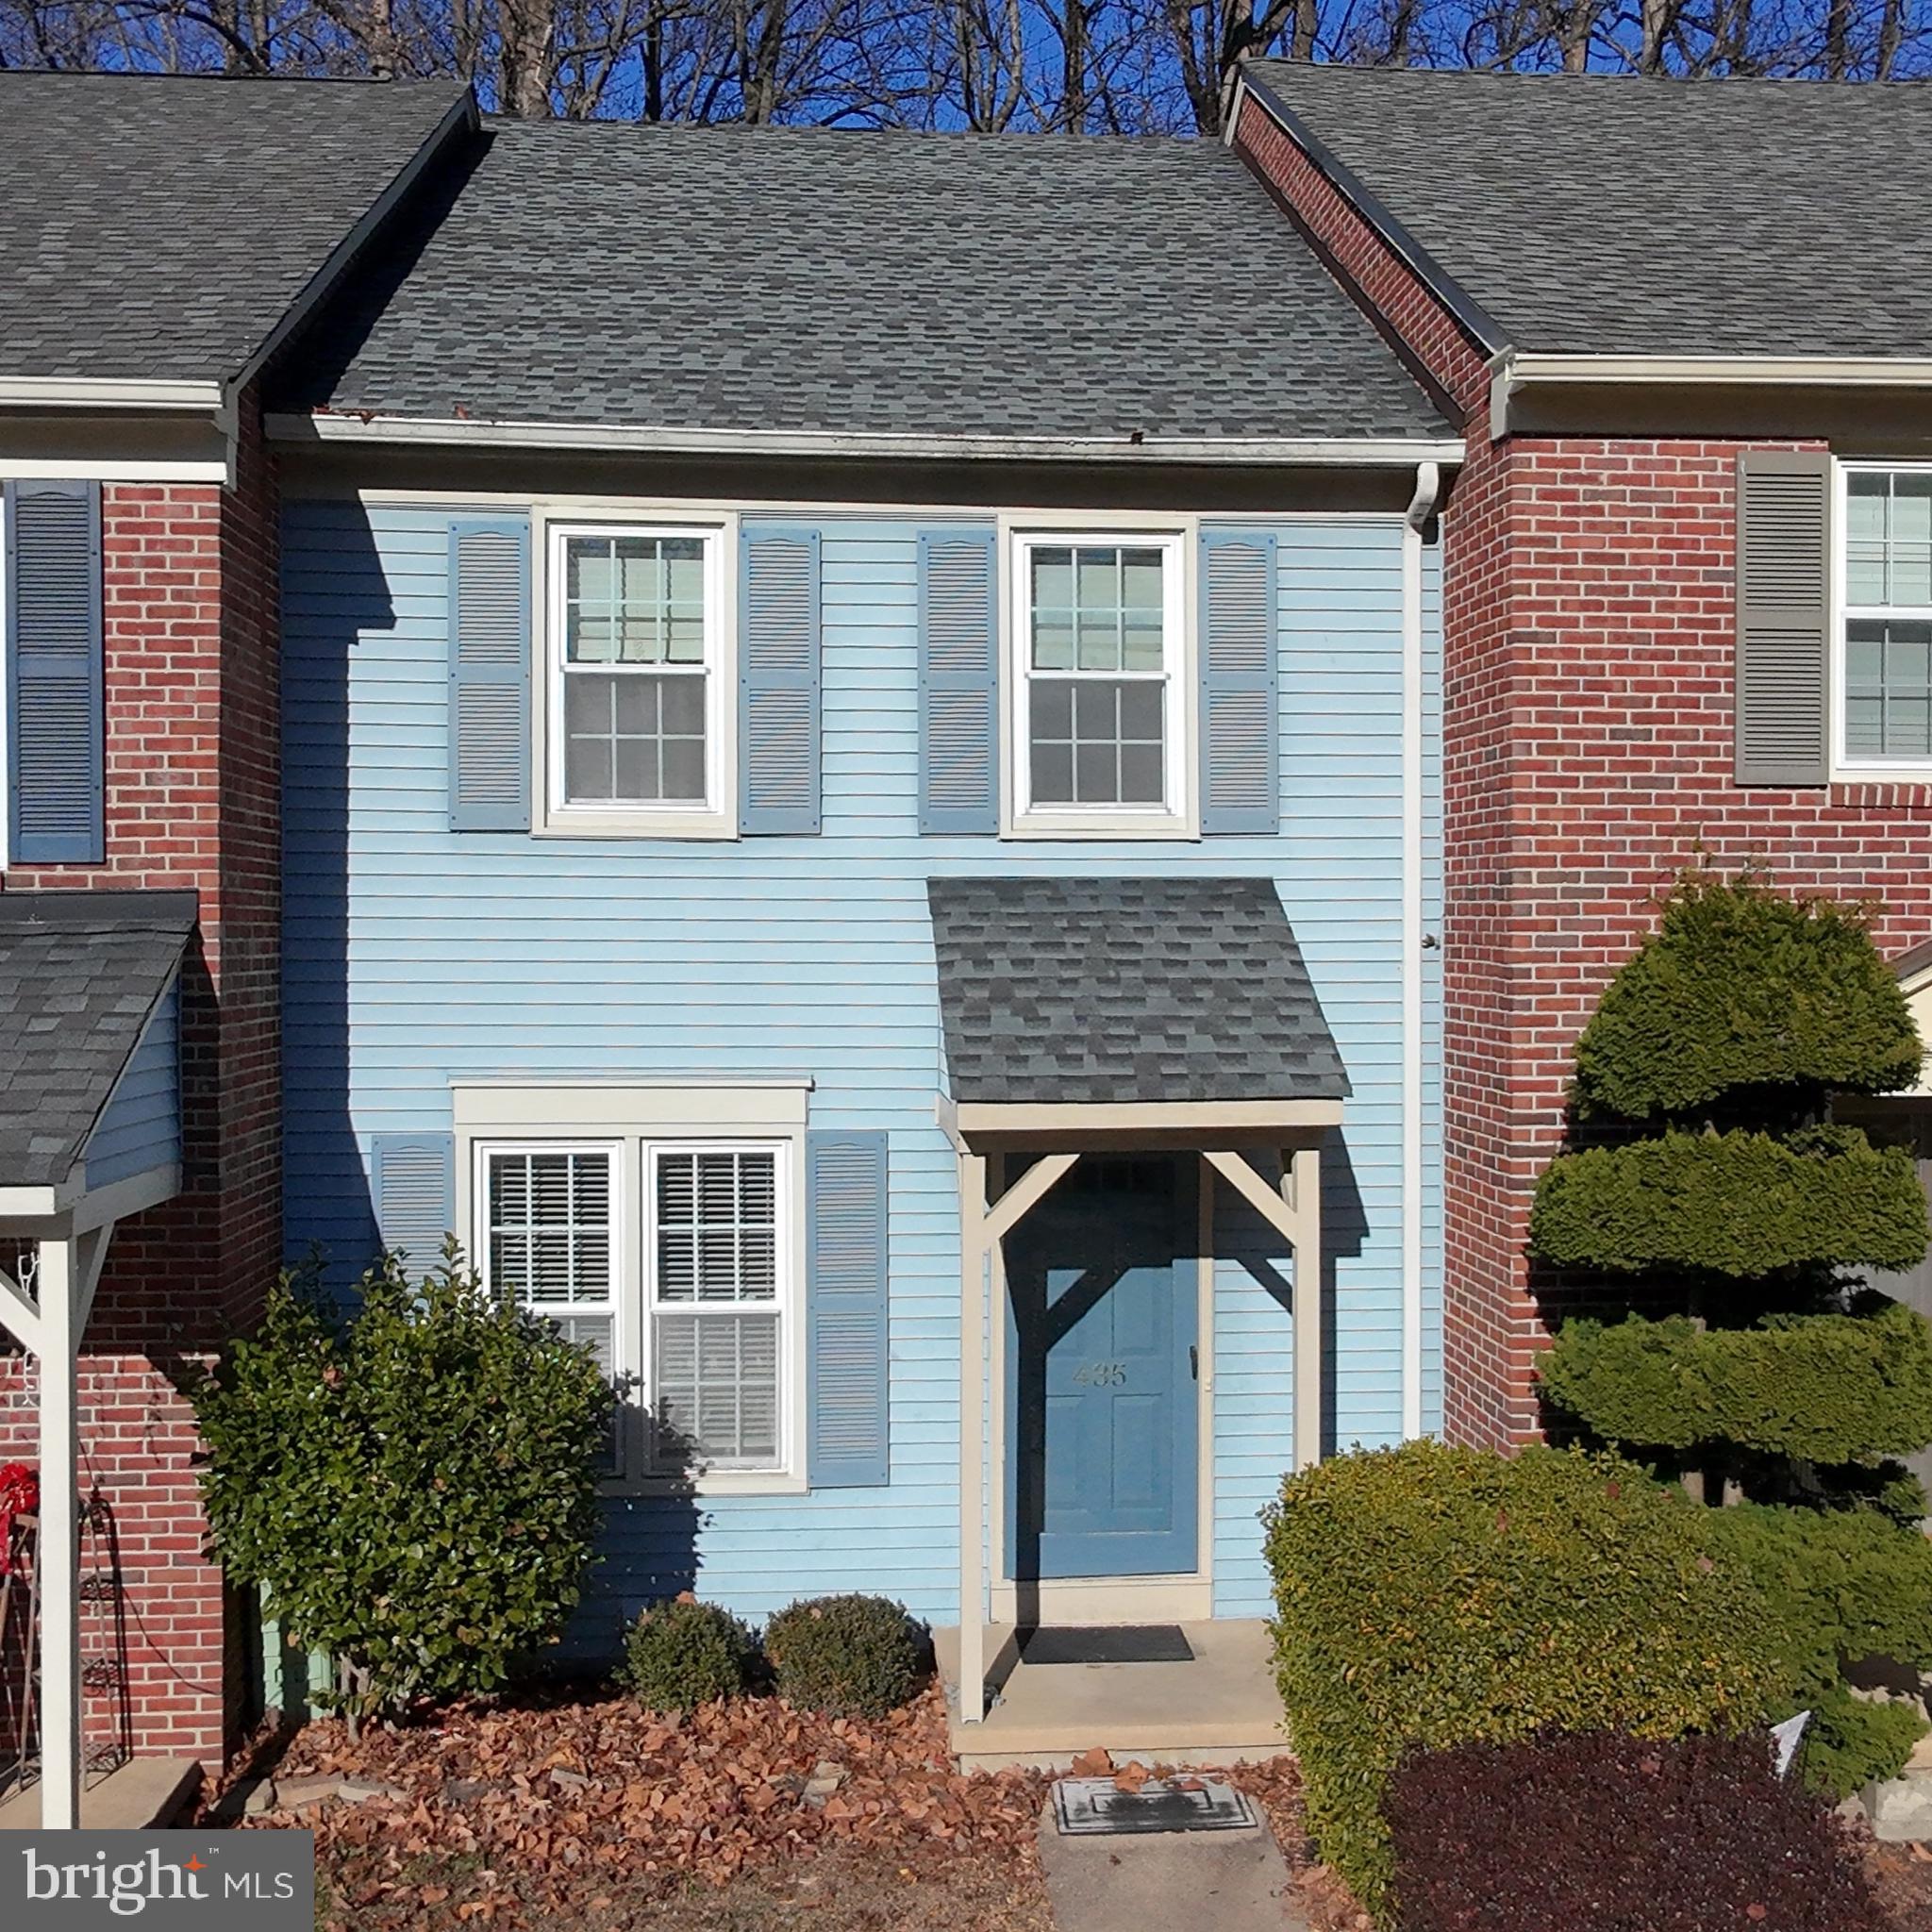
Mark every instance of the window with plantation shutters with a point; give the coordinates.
(718, 1267)
(549, 1241)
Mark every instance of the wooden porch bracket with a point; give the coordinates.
(1295, 1214)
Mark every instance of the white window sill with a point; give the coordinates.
(1883, 774)
(1113, 825)
(635, 825)
(723, 1482)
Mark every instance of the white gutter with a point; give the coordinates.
(106, 392)
(1428, 481)
(664, 440)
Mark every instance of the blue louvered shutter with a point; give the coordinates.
(489, 674)
(55, 713)
(846, 1274)
(1240, 769)
(958, 682)
(778, 681)
(413, 1185)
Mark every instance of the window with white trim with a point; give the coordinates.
(550, 1242)
(1099, 651)
(1886, 643)
(637, 710)
(717, 1270)
(673, 1257)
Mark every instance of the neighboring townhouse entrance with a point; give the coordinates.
(1102, 1374)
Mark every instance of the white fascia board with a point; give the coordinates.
(107, 392)
(666, 441)
(1519, 368)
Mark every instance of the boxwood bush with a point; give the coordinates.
(847, 1656)
(682, 1653)
(1608, 1833)
(1430, 1595)
(1832, 1389)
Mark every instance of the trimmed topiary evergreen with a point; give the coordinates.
(1744, 987)
(1708, 1070)
(1829, 1388)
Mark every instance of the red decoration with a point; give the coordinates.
(20, 1495)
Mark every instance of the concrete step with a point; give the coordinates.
(1219, 1708)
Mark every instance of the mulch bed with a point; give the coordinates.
(593, 1812)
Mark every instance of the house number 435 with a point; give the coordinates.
(1101, 1374)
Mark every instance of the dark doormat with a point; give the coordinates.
(1119, 1643)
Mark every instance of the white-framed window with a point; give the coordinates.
(659, 1223)
(1883, 677)
(638, 711)
(548, 1219)
(718, 1268)
(1098, 656)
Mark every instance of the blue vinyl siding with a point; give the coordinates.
(416, 956)
(141, 1126)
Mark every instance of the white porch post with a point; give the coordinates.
(972, 1462)
(1301, 1185)
(59, 1290)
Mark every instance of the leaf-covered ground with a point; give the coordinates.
(591, 1815)
(599, 1815)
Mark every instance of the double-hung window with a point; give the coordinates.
(638, 706)
(717, 1264)
(1098, 687)
(550, 1240)
(1886, 665)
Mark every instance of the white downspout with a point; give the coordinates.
(1421, 505)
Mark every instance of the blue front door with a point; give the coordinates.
(1101, 1404)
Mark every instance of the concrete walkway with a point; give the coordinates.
(1177, 1881)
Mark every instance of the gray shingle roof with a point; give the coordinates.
(79, 974)
(1609, 214)
(1117, 991)
(887, 283)
(161, 226)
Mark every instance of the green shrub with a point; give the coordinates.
(682, 1653)
(1739, 1203)
(1742, 987)
(848, 1655)
(1849, 1743)
(1830, 1388)
(416, 1491)
(1841, 1584)
(1428, 1596)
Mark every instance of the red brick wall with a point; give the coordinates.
(1589, 618)
(192, 800)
